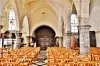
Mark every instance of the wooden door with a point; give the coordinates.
(92, 39)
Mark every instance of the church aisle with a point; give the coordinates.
(41, 59)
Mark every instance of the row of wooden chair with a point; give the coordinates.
(19, 57)
(95, 50)
(59, 56)
(75, 64)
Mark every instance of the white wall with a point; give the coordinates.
(95, 19)
(49, 18)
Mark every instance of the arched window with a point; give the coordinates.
(12, 20)
(74, 24)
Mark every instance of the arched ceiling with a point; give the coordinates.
(34, 5)
(10, 4)
(2, 6)
(31, 7)
(44, 7)
(54, 5)
(27, 1)
(43, 15)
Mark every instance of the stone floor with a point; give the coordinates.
(41, 61)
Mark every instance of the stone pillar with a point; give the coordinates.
(18, 40)
(67, 41)
(0, 37)
(28, 40)
(84, 39)
(84, 27)
(1, 45)
(67, 33)
(59, 41)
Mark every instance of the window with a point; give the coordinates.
(74, 24)
(12, 20)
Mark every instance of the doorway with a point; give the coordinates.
(92, 39)
(45, 37)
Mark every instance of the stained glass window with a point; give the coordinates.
(74, 24)
(12, 20)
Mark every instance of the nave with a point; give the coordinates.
(49, 32)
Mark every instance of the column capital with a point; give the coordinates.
(84, 26)
(57, 37)
(29, 36)
(17, 31)
(69, 33)
(65, 34)
(20, 34)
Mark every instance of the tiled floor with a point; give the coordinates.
(41, 60)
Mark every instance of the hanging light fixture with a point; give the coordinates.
(43, 11)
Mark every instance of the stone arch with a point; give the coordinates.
(45, 37)
(16, 12)
(12, 5)
(74, 9)
(33, 34)
(45, 26)
(77, 6)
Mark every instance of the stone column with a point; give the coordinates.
(84, 39)
(84, 26)
(67, 37)
(1, 45)
(28, 40)
(59, 41)
(17, 43)
(67, 33)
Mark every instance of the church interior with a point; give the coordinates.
(49, 33)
